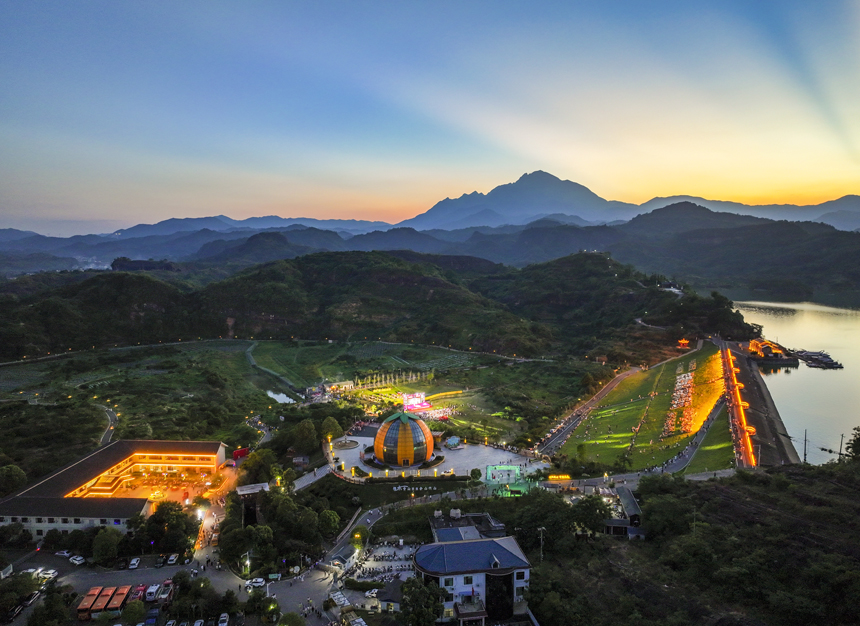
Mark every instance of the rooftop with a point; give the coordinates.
(628, 501)
(108, 508)
(76, 473)
(403, 417)
(500, 554)
(484, 524)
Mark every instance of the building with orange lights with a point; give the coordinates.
(763, 350)
(83, 494)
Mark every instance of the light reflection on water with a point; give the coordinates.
(824, 402)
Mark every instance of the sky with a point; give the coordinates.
(118, 113)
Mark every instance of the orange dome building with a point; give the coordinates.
(403, 439)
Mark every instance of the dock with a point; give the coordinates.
(770, 441)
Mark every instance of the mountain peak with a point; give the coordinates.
(532, 196)
(538, 176)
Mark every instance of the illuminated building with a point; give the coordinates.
(83, 493)
(403, 439)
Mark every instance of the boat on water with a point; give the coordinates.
(819, 359)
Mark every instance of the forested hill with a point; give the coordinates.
(581, 302)
(752, 256)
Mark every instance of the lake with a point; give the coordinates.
(824, 402)
(282, 398)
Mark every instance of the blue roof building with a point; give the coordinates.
(482, 578)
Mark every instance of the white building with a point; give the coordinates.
(482, 578)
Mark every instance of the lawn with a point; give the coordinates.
(307, 363)
(637, 421)
(716, 452)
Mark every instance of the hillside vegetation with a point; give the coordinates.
(571, 305)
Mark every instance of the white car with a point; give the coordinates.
(78, 560)
(171, 622)
(256, 582)
(64, 553)
(371, 594)
(224, 620)
(198, 622)
(48, 574)
(134, 563)
(173, 559)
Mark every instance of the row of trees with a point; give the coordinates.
(169, 529)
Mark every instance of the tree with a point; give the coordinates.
(421, 604)
(329, 523)
(331, 428)
(105, 545)
(305, 437)
(590, 513)
(257, 467)
(230, 603)
(542, 509)
(51, 611)
(475, 474)
(292, 619)
(852, 448)
(12, 478)
(134, 612)
(199, 502)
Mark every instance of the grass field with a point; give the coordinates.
(716, 452)
(307, 363)
(633, 421)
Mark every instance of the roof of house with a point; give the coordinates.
(392, 592)
(502, 554)
(457, 534)
(628, 501)
(245, 490)
(107, 508)
(76, 473)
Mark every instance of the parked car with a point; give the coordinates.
(173, 559)
(159, 562)
(257, 582)
(64, 553)
(32, 598)
(13, 613)
(122, 564)
(224, 620)
(48, 574)
(171, 622)
(78, 560)
(198, 622)
(134, 563)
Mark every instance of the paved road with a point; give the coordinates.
(113, 422)
(557, 439)
(311, 477)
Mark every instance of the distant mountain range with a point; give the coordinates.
(535, 219)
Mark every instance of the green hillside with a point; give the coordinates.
(576, 304)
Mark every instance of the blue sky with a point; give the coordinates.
(116, 113)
